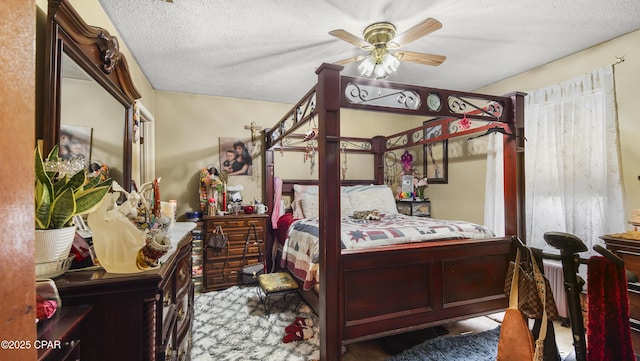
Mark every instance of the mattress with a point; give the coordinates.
(300, 249)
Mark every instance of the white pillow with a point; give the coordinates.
(308, 202)
(299, 190)
(296, 208)
(372, 197)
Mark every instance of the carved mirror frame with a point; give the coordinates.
(96, 52)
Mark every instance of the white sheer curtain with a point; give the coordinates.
(572, 173)
(494, 188)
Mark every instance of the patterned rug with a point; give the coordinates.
(232, 325)
(482, 346)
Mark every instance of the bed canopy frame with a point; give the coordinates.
(358, 297)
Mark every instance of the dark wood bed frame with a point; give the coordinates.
(375, 292)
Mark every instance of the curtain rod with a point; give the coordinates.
(619, 59)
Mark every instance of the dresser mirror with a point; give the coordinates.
(89, 95)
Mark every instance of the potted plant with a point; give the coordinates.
(58, 198)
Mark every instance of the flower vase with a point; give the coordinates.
(420, 192)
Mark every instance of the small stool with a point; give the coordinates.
(277, 283)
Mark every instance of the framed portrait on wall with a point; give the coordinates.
(436, 157)
(75, 143)
(235, 156)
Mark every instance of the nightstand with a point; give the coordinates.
(414, 208)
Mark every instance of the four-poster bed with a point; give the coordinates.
(383, 290)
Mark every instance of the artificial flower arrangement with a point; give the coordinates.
(212, 189)
(420, 183)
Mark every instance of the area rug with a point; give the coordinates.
(482, 346)
(232, 325)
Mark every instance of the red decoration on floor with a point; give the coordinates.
(299, 334)
(608, 330)
(298, 323)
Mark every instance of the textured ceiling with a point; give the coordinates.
(269, 49)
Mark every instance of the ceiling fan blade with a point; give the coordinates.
(350, 60)
(350, 38)
(416, 32)
(421, 58)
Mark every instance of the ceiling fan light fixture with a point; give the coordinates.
(390, 63)
(367, 66)
(379, 72)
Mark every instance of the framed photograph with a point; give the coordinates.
(436, 157)
(235, 156)
(75, 143)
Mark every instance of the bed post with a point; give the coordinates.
(331, 295)
(378, 145)
(267, 198)
(514, 204)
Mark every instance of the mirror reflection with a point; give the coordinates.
(92, 121)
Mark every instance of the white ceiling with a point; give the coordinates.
(269, 49)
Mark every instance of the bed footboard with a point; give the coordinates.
(417, 286)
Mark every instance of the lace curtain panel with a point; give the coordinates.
(572, 169)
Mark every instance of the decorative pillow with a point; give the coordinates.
(307, 197)
(309, 204)
(372, 196)
(296, 208)
(299, 190)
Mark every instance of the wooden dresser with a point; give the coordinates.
(216, 275)
(59, 337)
(629, 251)
(142, 316)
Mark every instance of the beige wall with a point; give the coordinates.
(627, 94)
(187, 138)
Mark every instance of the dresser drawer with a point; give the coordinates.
(60, 336)
(184, 348)
(183, 315)
(183, 275)
(68, 349)
(213, 255)
(218, 281)
(235, 222)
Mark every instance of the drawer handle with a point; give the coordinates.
(182, 274)
(167, 298)
(168, 352)
(181, 314)
(70, 344)
(182, 356)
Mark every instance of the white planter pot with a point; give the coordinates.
(54, 244)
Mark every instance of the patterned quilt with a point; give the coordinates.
(300, 252)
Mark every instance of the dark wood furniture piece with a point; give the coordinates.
(141, 316)
(416, 285)
(415, 208)
(71, 43)
(222, 268)
(60, 336)
(629, 251)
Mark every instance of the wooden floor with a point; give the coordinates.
(372, 351)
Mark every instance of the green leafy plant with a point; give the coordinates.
(59, 197)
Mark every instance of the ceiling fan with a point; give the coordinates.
(380, 38)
